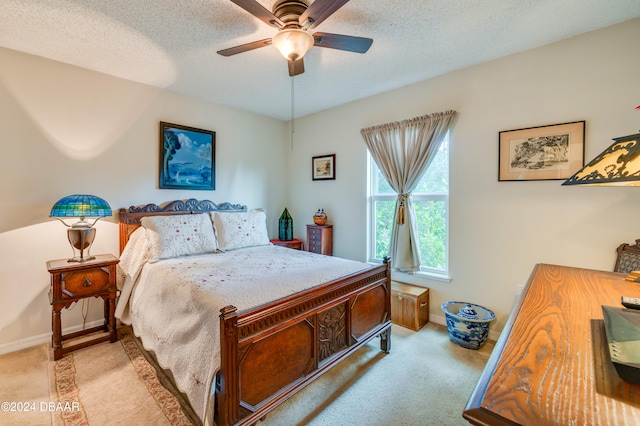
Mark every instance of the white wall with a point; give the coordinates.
(498, 230)
(66, 130)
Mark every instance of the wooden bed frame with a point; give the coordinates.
(304, 334)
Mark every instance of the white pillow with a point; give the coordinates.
(179, 235)
(241, 229)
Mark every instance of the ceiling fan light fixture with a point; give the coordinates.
(293, 44)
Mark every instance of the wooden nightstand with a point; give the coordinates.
(73, 281)
(294, 244)
(320, 239)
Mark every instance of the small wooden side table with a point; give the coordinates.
(73, 281)
(294, 244)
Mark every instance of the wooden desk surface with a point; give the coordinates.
(551, 363)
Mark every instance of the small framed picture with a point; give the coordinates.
(187, 157)
(541, 153)
(323, 167)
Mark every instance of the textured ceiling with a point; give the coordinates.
(172, 44)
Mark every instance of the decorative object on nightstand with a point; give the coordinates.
(285, 226)
(81, 233)
(71, 282)
(320, 239)
(320, 218)
(409, 305)
(293, 243)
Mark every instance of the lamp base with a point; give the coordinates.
(80, 259)
(81, 238)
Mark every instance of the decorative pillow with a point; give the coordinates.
(242, 229)
(179, 235)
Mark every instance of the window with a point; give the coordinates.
(431, 202)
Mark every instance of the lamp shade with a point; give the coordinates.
(292, 43)
(80, 205)
(618, 165)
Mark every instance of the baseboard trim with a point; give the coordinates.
(29, 342)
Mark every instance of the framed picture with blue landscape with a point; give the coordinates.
(187, 157)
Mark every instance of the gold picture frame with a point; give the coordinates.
(187, 157)
(552, 152)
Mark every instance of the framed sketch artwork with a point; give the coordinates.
(323, 167)
(187, 157)
(541, 153)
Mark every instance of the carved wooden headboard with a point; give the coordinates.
(129, 219)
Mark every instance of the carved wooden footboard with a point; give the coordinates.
(271, 352)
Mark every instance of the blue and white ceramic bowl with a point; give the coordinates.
(468, 324)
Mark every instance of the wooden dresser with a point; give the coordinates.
(551, 364)
(320, 239)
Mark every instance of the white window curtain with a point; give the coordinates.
(403, 151)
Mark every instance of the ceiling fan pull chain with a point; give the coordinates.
(292, 116)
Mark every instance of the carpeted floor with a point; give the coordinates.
(425, 380)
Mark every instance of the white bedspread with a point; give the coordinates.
(174, 305)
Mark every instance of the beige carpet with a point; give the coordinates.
(113, 384)
(24, 379)
(105, 384)
(425, 380)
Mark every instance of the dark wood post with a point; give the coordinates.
(228, 390)
(385, 336)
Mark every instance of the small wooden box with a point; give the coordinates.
(409, 305)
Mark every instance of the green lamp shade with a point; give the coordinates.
(286, 226)
(80, 206)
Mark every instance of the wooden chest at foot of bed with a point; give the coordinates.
(409, 305)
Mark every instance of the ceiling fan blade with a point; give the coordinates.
(296, 67)
(245, 47)
(342, 42)
(257, 10)
(318, 11)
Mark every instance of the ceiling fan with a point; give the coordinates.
(293, 18)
